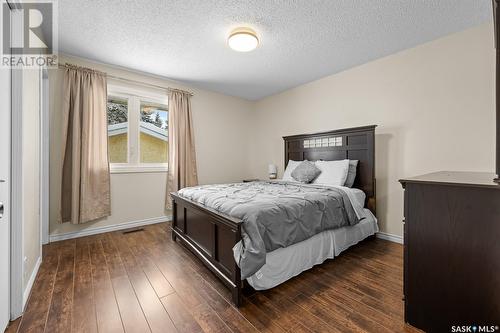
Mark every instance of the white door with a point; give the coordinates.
(5, 110)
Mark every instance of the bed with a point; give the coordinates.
(221, 227)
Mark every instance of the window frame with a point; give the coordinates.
(134, 97)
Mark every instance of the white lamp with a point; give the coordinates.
(273, 171)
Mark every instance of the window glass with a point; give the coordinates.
(118, 130)
(153, 129)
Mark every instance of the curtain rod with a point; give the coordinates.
(66, 65)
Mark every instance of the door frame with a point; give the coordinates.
(6, 182)
(44, 156)
(16, 199)
(16, 230)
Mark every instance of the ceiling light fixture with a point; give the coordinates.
(243, 40)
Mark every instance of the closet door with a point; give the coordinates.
(5, 158)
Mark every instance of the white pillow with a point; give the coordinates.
(287, 175)
(332, 172)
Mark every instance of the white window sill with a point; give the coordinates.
(143, 168)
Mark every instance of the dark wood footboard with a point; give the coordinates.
(211, 236)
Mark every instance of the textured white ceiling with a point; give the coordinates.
(301, 40)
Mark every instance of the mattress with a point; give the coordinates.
(284, 263)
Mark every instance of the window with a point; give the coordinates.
(137, 130)
(154, 133)
(117, 130)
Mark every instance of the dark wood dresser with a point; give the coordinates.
(452, 251)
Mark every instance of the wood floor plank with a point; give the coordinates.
(353, 313)
(37, 308)
(133, 318)
(156, 315)
(183, 320)
(208, 319)
(143, 281)
(131, 312)
(393, 306)
(258, 318)
(284, 304)
(231, 316)
(309, 285)
(107, 311)
(372, 314)
(203, 271)
(377, 285)
(13, 325)
(342, 313)
(308, 296)
(233, 319)
(321, 310)
(366, 293)
(170, 263)
(370, 268)
(160, 284)
(300, 328)
(84, 316)
(60, 313)
(282, 318)
(167, 264)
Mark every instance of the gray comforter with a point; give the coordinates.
(275, 214)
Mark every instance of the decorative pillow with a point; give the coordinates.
(305, 172)
(351, 174)
(288, 171)
(332, 172)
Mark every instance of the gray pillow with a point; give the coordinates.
(305, 172)
(351, 174)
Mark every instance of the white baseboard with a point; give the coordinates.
(390, 237)
(31, 281)
(108, 228)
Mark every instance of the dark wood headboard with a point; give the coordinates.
(350, 143)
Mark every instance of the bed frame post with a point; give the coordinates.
(237, 290)
(174, 219)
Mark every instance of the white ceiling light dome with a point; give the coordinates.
(243, 40)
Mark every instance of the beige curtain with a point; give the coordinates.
(85, 192)
(181, 155)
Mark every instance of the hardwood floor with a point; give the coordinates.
(143, 281)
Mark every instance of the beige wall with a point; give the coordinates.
(222, 138)
(433, 104)
(31, 171)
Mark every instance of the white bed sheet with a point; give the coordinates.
(284, 263)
